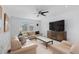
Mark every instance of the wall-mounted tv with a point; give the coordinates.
(57, 25)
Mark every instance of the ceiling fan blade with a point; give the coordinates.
(45, 12)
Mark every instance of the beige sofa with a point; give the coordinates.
(17, 48)
(65, 48)
(29, 34)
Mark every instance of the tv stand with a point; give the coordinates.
(56, 35)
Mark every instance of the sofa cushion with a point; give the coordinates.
(75, 48)
(15, 44)
(31, 33)
(22, 40)
(66, 43)
(60, 48)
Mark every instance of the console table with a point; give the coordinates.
(59, 36)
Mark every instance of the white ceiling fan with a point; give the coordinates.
(41, 12)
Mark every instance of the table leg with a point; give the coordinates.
(52, 42)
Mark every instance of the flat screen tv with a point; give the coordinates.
(57, 25)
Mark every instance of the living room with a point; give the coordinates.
(28, 18)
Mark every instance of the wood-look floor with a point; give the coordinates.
(41, 49)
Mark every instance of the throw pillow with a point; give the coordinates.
(22, 40)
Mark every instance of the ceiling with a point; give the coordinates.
(28, 11)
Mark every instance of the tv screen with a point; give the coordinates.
(57, 25)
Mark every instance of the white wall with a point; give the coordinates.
(5, 41)
(44, 26)
(16, 24)
(71, 24)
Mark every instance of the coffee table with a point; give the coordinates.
(45, 40)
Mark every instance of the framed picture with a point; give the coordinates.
(1, 25)
(6, 22)
(1, 21)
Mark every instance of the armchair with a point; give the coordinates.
(65, 48)
(26, 50)
(17, 48)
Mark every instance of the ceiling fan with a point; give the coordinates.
(41, 12)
